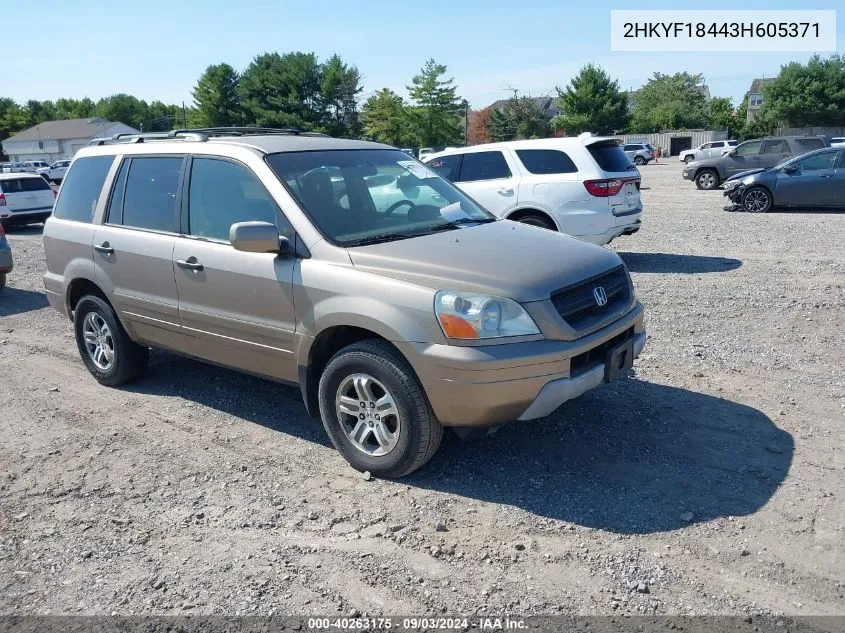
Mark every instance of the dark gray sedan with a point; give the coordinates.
(816, 179)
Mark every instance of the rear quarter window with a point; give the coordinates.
(546, 161)
(82, 187)
(610, 157)
(803, 145)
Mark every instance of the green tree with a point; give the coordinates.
(340, 85)
(530, 122)
(669, 102)
(282, 90)
(592, 102)
(807, 95)
(722, 116)
(436, 113)
(36, 112)
(503, 125)
(123, 108)
(12, 118)
(385, 118)
(216, 97)
(74, 108)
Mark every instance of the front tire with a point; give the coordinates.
(756, 200)
(689, 159)
(105, 347)
(375, 410)
(707, 179)
(2, 281)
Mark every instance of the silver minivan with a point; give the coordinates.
(268, 252)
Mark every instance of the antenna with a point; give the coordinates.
(515, 91)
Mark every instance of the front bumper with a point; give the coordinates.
(488, 385)
(689, 174)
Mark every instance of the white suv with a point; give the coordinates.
(56, 171)
(586, 187)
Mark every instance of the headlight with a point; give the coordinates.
(467, 315)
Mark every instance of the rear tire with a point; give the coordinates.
(535, 219)
(407, 434)
(2, 281)
(707, 179)
(689, 159)
(756, 200)
(639, 160)
(105, 347)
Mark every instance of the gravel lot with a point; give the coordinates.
(712, 482)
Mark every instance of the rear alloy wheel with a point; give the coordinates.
(707, 179)
(756, 200)
(537, 220)
(639, 160)
(105, 347)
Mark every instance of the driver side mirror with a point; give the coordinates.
(790, 169)
(731, 152)
(258, 237)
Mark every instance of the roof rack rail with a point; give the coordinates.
(244, 131)
(140, 137)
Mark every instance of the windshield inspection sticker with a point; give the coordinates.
(453, 212)
(417, 169)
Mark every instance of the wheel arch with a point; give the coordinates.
(321, 349)
(516, 214)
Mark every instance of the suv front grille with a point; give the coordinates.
(577, 304)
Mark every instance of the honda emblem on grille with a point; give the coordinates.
(600, 296)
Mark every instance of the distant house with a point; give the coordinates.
(546, 106)
(755, 98)
(56, 140)
(704, 89)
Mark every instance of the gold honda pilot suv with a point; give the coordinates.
(396, 303)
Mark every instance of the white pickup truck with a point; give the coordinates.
(55, 172)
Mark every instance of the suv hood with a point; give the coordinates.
(504, 258)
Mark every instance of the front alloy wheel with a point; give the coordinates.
(368, 415)
(756, 200)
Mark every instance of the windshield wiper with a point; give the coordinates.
(460, 222)
(378, 239)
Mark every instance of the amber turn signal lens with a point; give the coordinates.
(456, 327)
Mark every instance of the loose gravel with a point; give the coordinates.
(711, 482)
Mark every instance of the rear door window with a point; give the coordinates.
(24, 185)
(610, 157)
(446, 166)
(546, 161)
(152, 187)
(484, 166)
(81, 188)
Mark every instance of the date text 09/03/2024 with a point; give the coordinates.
(415, 624)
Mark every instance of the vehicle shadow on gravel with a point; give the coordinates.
(680, 264)
(633, 458)
(273, 405)
(25, 229)
(17, 301)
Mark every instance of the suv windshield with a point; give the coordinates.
(357, 197)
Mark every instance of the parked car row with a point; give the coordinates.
(710, 173)
(397, 303)
(29, 166)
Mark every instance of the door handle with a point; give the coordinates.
(189, 265)
(505, 191)
(104, 248)
(825, 175)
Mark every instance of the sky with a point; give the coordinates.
(157, 49)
